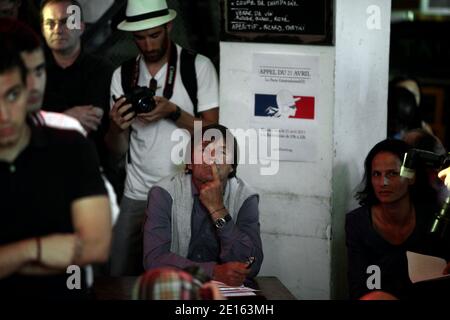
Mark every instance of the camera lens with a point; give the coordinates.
(145, 104)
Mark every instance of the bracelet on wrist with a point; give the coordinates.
(174, 116)
(78, 249)
(214, 211)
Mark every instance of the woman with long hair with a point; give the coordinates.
(394, 218)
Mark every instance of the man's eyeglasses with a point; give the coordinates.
(51, 24)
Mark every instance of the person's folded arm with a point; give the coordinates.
(56, 252)
(15, 256)
(92, 223)
(447, 269)
(241, 239)
(90, 214)
(88, 244)
(158, 235)
(90, 209)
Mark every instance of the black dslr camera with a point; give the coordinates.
(415, 157)
(141, 100)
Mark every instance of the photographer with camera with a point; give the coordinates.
(184, 87)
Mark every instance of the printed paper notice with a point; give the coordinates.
(284, 103)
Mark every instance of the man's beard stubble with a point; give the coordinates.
(156, 55)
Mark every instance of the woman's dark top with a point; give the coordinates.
(367, 247)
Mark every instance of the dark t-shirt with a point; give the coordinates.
(37, 190)
(367, 247)
(86, 82)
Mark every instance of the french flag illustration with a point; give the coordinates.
(279, 106)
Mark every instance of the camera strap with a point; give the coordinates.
(130, 74)
(171, 71)
(170, 74)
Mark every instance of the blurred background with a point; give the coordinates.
(420, 48)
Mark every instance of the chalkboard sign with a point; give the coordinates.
(277, 21)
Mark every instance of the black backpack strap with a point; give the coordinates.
(189, 76)
(128, 73)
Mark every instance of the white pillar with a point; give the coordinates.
(360, 110)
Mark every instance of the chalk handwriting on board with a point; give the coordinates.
(289, 21)
(271, 16)
(256, 19)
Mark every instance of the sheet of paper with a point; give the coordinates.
(228, 291)
(423, 267)
(286, 106)
(238, 294)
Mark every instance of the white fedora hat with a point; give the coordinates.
(146, 14)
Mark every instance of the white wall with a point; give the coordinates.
(93, 10)
(360, 116)
(297, 204)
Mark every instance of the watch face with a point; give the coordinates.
(220, 223)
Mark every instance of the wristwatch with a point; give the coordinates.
(175, 115)
(221, 222)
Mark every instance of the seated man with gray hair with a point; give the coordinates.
(206, 216)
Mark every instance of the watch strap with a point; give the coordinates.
(174, 116)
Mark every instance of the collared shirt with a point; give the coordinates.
(37, 190)
(236, 241)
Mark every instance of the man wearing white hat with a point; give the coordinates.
(145, 137)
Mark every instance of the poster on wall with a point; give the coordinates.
(285, 98)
